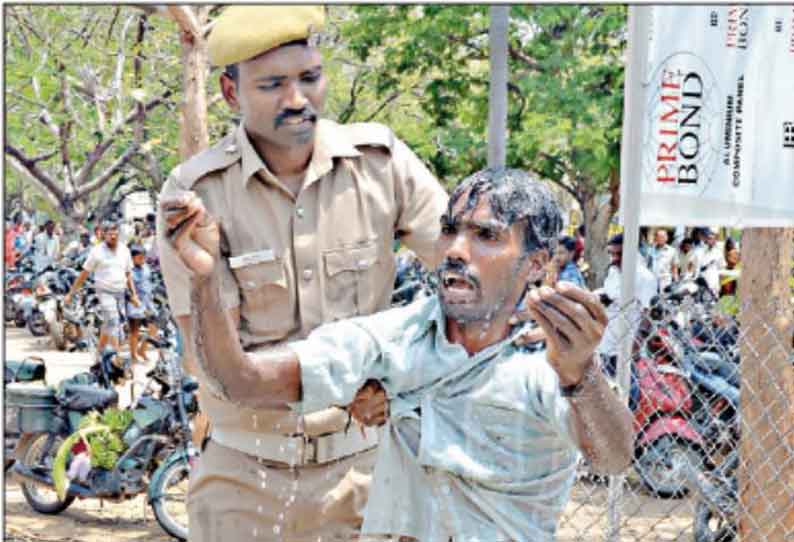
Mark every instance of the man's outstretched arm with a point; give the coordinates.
(573, 321)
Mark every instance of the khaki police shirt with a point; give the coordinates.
(291, 263)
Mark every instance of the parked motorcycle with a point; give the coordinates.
(159, 453)
(716, 396)
(30, 369)
(667, 441)
(412, 280)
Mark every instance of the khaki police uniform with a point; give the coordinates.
(290, 263)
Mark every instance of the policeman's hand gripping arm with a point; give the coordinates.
(193, 233)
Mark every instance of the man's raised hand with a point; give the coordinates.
(192, 231)
(573, 321)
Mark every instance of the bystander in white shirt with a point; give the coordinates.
(110, 267)
(45, 250)
(662, 261)
(708, 263)
(645, 289)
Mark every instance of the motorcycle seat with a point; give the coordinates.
(84, 397)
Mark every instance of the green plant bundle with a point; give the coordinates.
(102, 434)
(59, 464)
(107, 446)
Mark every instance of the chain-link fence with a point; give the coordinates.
(712, 393)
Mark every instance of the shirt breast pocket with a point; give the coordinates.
(350, 280)
(265, 304)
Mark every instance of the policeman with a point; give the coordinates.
(308, 210)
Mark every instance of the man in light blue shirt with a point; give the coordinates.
(482, 437)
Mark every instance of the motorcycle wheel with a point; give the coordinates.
(170, 506)
(41, 498)
(9, 310)
(711, 526)
(37, 325)
(57, 335)
(19, 319)
(662, 466)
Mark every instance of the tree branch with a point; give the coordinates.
(91, 160)
(67, 163)
(96, 153)
(26, 99)
(517, 54)
(345, 115)
(46, 120)
(28, 167)
(186, 19)
(118, 78)
(111, 170)
(559, 182)
(112, 24)
(43, 157)
(383, 104)
(26, 24)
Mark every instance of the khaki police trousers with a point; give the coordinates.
(235, 497)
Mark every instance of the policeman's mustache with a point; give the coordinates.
(307, 113)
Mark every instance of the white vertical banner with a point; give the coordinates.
(717, 114)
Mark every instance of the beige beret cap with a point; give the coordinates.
(245, 31)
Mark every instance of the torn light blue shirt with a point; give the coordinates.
(476, 448)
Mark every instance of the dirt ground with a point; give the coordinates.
(643, 518)
(585, 519)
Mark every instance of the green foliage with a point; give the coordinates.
(64, 59)
(565, 92)
(106, 446)
(64, 453)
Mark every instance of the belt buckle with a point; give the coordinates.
(309, 452)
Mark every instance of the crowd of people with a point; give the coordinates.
(119, 264)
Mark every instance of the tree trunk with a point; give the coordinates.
(596, 214)
(193, 131)
(766, 472)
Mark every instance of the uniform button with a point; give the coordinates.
(299, 211)
(307, 274)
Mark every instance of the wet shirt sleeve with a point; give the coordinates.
(336, 360)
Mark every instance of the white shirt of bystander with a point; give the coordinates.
(645, 290)
(662, 260)
(110, 267)
(709, 261)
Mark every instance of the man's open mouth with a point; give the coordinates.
(457, 288)
(295, 121)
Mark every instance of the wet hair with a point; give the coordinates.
(568, 242)
(514, 196)
(232, 71)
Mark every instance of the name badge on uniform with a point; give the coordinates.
(251, 258)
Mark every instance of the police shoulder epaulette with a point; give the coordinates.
(219, 156)
(363, 134)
